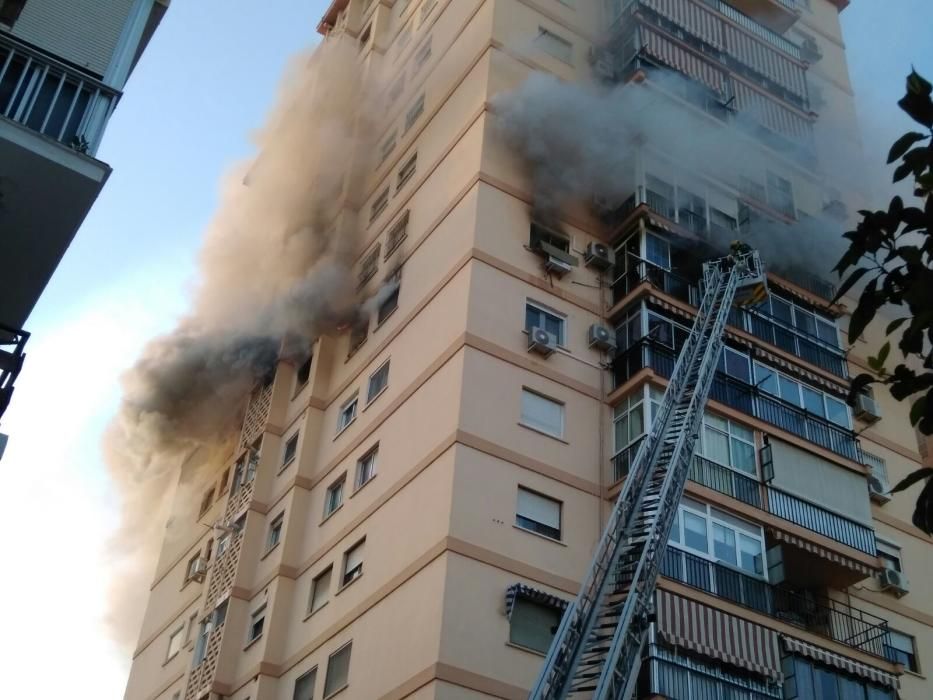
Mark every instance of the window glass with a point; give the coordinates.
(175, 642)
(334, 496)
(805, 321)
(542, 413)
(825, 685)
(743, 455)
(338, 671)
(750, 554)
(781, 309)
(737, 365)
(366, 467)
(715, 445)
(538, 513)
(320, 589)
(304, 686)
(658, 251)
(695, 536)
(675, 528)
(790, 390)
(377, 382)
(813, 401)
(661, 330)
(826, 331)
(767, 379)
(352, 563)
(552, 323)
(837, 412)
(533, 625)
(724, 544)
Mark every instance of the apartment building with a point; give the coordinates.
(408, 513)
(63, 66)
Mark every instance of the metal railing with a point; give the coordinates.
(725, 480)
(747, 398)
(815, 285)
(53, 98)
(817, 614)
(635, 270)
(12, 355)
(816, 519)
(759, 30)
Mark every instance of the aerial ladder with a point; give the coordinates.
(598, 647)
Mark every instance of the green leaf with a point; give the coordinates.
(918, 85)
(923, 511)
(847, 285)
(902, 171)
(901, 146)
(883, 353)
(913, 478)
(864, 312)
(894, 325)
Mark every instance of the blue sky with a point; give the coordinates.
(202, 87)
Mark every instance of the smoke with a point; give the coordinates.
(579, 141)
(275, 272)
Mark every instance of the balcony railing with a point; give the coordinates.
(823, 616)
(51, 97)
(636, 270)
(759, 30)
(815, 285)
(745, 397)
(820, 520)
(12, 344)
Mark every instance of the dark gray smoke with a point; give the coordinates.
(275, 273)
(578, 141)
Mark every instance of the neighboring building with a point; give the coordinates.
(62, 68)
(407, 514)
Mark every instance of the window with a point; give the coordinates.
(728, 443)
(208, 549)
(10, 10)
(256, 623)
(387, 147)
(352, 563)
(538, 513)
(780, 194)
(540, 237)
(719, 537)
(334, 496)
(389, 304)
(556, 46)
(397, 234)
(303, 373)
(366, 467)
(414, 112)
(658, 251)
(338, 670)
(224, 480)
(291, 449)
(193, 565)
(382, 201)
(628, 421)
(406, 172)
(238, 474)
(368, 268)
(320, 589)
(423, 54)
(735, 364)
(200, 646)
(275, 532)
(533, 624)
(347, 413)
(206, 501)
(175, 641)
(222, 543)
(378, 381)
(358, 335)
(890, 554)
(812, 400)
(192, 621)
(805, 680)
(539, 317)
(542, 413)
(304, 686)
(176, 695)
(396, 90)
(900, 648)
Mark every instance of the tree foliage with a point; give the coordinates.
(891, 254)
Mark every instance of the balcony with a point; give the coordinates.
(52, 117)
(823, 616)
(12, 343)
(637, 271)
(821, 521)
(749, 399)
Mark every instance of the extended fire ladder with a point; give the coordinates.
(598, 647)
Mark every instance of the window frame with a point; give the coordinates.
(179, 636)
(312, 672)
(397, 233)
(527, 422)
(290, 449)
(316, 581)
(711, 518)
(407, 171)
(546, 311)
(258, 616)
(524, 603)
(345, 648)
(890, 552)
(274, 535)
(380, 203)
(702, 446)
(910, 657)
(337, 486)
(414, 112)
(304, 369)
(389, 304)
(800, 388)
(554, 45)
(348, 576)
(352, 402)
(524, 522)
(366, 466)
(382, 369)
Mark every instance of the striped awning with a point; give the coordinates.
(520, 590)
(876, 675)
(705, 630)
(823, 552)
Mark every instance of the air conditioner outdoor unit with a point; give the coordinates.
(894, 581)
(540, 341)
(601, 338)
(199, 570)
(599, 256)
(556, 266)
(866, 409)
(878, 489)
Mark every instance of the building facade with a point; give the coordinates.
(63, 66)
(407, 514)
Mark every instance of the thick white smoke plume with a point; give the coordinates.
(275, 273)
(578, 141)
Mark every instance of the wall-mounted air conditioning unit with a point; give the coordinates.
(866, 409)
(894, 581)
(540, 341)
(878, 489)
(198, 570)
(601, 338)
(598, 256)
